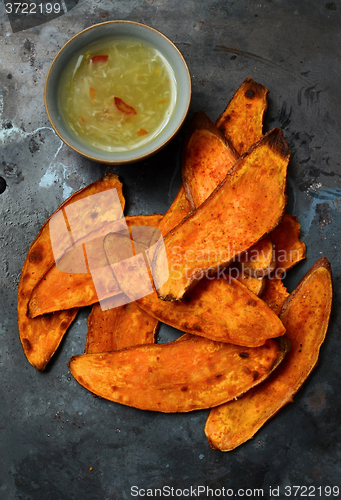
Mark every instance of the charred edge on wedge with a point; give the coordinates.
(251, 89)
(254, 89)
(276, 140)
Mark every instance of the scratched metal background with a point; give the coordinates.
(52, 430)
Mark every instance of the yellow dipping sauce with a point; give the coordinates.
(117, 94)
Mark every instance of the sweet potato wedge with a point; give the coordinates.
(115, 323)
(289, 249)
(175, 214)
(119, 327)
(242, 120)
(246, 206)
(84, 215)
(305, 315)
(40, 337)
(152, 220)
(219, 309)
(260, 260)
(140, 235)
(179, 376)
(255, 285)
(178, 210)
(206, 158)
(275, 293)
(57, 290)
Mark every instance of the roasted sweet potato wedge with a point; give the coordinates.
(202, 174)
(289, 249)
(84, 215)
(255, 285)
(139, 224)
(246, 206)
(305, 315)
(40, 337)
(206, 158)
(275, 293)
(219, 309)
(115, 323)
(242, 121)
(119, 327)
(176, 212)
(179, 376)
(57, 289)
(260, 260)
(152, 220)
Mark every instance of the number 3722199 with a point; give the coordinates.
(312, 491)
(33, 8)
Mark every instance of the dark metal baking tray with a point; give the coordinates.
(56, 440)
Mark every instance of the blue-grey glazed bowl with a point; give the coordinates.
(94, 34)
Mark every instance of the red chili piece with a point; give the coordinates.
(97, 59)
(125, 108)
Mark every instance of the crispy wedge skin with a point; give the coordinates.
(57, 290)
(176, 377)
(246, 206)
(206, 158)
(242, 121)
(118, 328)
(40, 337)
(219, 309)
(289, 248)
(305, 315)
(275, 293)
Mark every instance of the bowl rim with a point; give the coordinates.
(139, 157)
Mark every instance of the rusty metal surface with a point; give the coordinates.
(56, 440)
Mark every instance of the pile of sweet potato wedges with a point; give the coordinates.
(227, 244)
